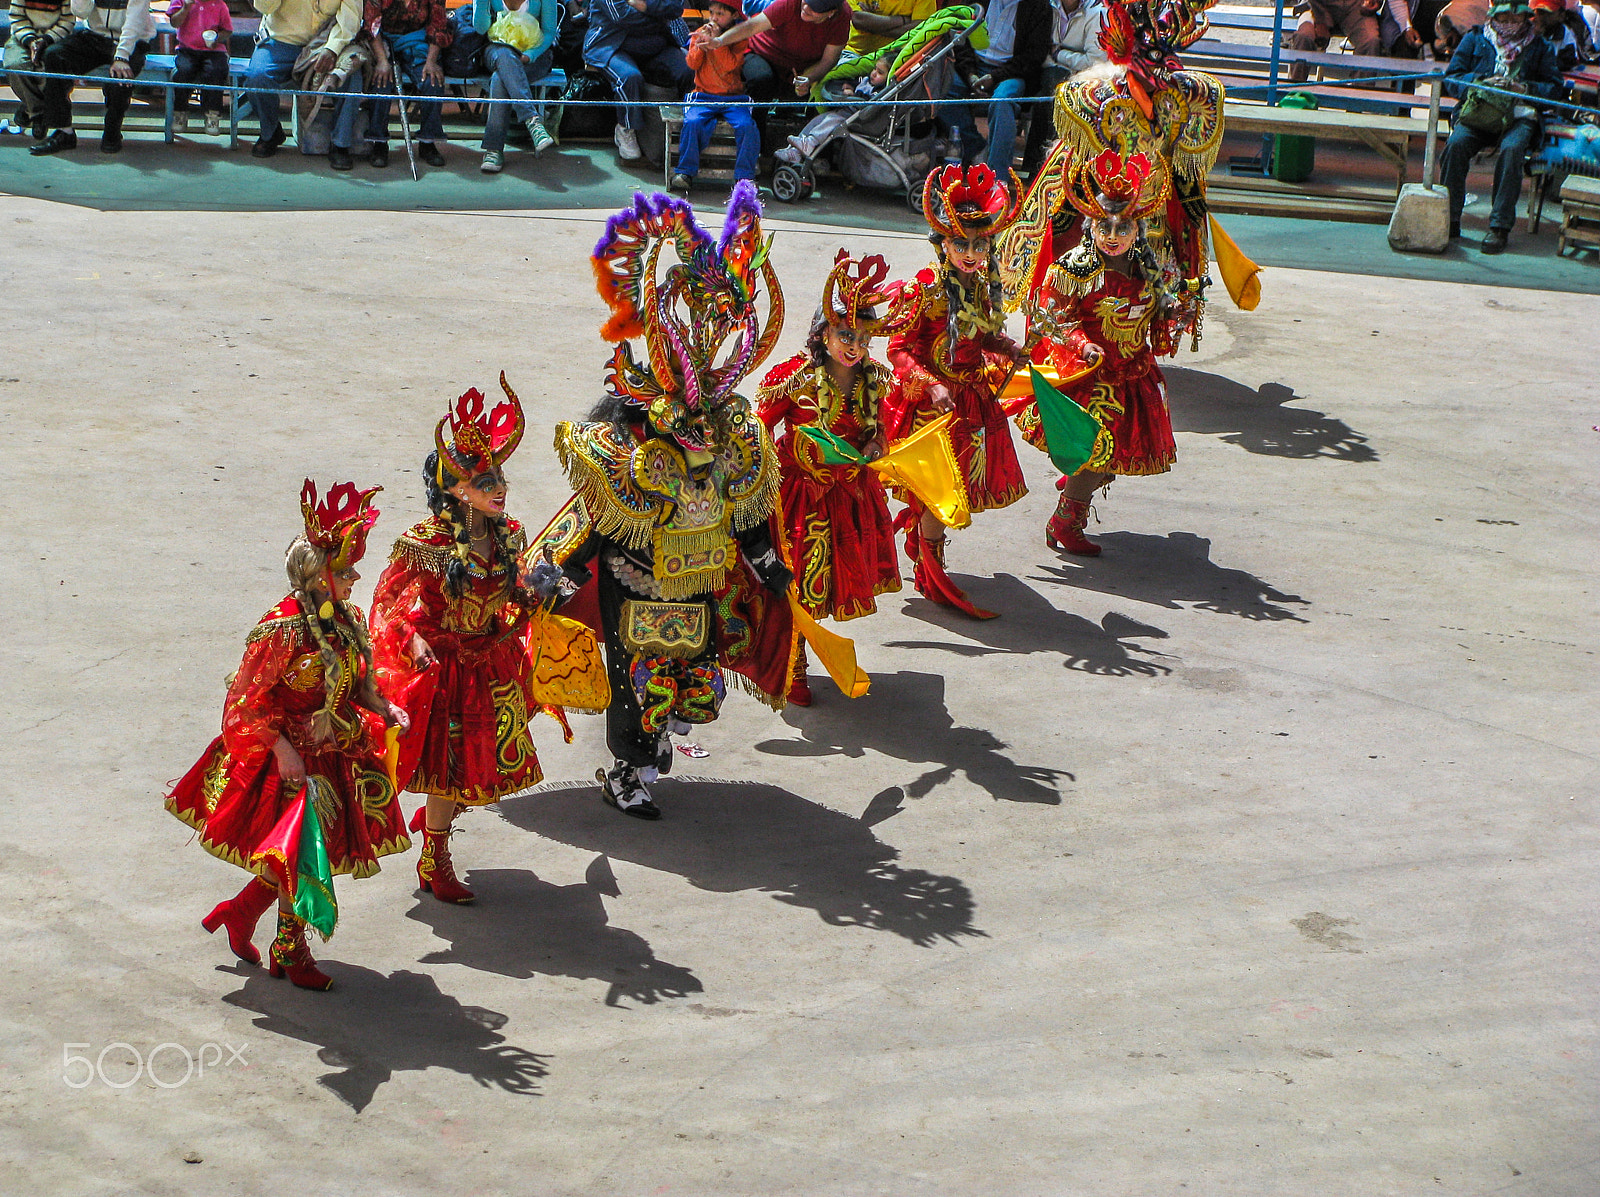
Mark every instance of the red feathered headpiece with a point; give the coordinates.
(968, 202)
(855, 285)
(339, 524)
(1111, 186)
(479, 441)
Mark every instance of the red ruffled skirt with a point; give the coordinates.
(842, 542)
(234, 805)
(469, 736)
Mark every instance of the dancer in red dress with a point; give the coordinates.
(836, 517)
(950, 353)
(1110, 307)
(450, 624)
(302, 710)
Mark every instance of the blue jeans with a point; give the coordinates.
(1002, 124)
(407, 54)
(271, 66)
(511, 77)
(700, 117)
(657, 53)
(1459, 151)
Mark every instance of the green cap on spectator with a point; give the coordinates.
(1511, 8)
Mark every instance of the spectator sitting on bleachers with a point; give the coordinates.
(1374, 28)
(1452, 22)
(626, 40)
(793, 44)
(1550, 17)
(117, 34)
(1010, 66)
(1589, 11)
(1509, 54)
(718, 94)
(513, 70)
(876, 23)
(202, 55)
(408, 36)
(286, 27)
(36, 25)
(1074, 46)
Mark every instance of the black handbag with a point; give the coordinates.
(587, 120)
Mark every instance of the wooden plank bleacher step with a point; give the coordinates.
(1225, 199)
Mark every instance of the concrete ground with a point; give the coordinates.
(1256, 856)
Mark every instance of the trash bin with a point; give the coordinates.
(1294, 157)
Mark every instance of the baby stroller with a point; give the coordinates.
(879, 144)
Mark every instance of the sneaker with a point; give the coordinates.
(681, 182)
(624, 789)
(789, 153)
(627, 145)
(180, 122)
(539, 136)
(213, 124)
(493, 162)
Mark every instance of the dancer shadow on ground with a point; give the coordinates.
(370, 1026)
(555, 930)
(1257, 421)
(904, 716)
(727, 836)
(1173, 571)
(1029, 624)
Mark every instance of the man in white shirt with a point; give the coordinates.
(117, 34)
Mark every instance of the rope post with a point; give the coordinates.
(1431, 150)
(1277, 50)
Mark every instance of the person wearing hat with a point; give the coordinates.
(718, 95)
(793, 44)
(1550, 18)
(1508, 54)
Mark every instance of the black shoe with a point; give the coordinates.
(38, 129)
(339, 158)
(1455, 230)
(623, 789)
(379, 155)
(429, 153)
(60, 139)
(1495, 242)
(265, 147)
(110, 143)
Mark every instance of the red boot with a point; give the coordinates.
(290, 957)
(240, 914)
(799, 687)
(932, 582)
(1065, 529)
(435, 872)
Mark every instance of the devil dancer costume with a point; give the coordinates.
(676, 486)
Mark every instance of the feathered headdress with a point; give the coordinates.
(1113, 187)
(698, 319)
(479, 439)
(854, 286)
(339, 524)
(967, 202)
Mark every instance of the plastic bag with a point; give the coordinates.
(519, 30)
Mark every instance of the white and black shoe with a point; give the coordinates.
(624, 789)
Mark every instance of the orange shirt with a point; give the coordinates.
(716, 68)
